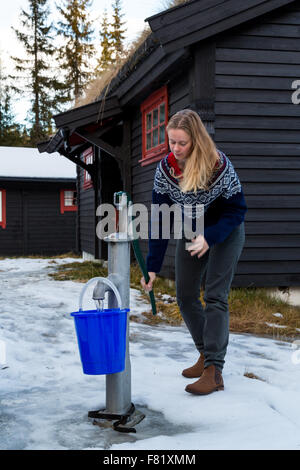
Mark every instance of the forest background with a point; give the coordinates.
(63, 46)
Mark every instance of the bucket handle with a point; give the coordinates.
(105, 281)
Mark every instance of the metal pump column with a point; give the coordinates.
(118, 385)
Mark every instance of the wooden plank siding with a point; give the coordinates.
(202, 20)
(35, 225)
(11, 238)
(48, 231)
(257, 125)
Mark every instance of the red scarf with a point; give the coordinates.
(174, 165)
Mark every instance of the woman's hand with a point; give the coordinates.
(198, 246)
(148, 287)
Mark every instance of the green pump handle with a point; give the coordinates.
(139, 257)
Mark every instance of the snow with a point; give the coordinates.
(45, 397)
(274, 325)
(278, 315)
(23, 162)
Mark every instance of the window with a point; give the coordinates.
(88, 158)
(67, 200)
(154, 121)
(2, 208)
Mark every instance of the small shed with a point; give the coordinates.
(37, 203)
(236, 64)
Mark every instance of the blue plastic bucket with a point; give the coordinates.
(101, 337)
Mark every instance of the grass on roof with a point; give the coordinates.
(101, 84)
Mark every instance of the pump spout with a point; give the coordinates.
(99, 295)
(102, 286)
(99, 290)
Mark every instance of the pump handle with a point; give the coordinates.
(138, 254)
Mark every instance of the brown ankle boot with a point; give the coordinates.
(210, 381)
(196, 370)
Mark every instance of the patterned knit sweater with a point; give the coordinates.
(223, 202)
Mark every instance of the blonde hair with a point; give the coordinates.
(201, 163)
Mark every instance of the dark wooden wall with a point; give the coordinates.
(258, 127)
(34, 224)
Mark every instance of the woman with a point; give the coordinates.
(195, 172)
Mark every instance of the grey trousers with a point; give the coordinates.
(209, 325)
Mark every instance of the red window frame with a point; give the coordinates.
(88, 158)
(63, 207)
(3, 208)
(151, 127)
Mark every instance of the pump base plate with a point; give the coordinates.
(121, 423)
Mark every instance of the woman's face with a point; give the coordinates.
(180, 143)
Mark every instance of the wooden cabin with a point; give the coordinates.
(233, 62)
(37, 203)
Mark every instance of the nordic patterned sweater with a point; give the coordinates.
(224, 203)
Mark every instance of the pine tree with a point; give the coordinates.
(37, 79)
(10, 131)
(117, 33)
(76, 28)
(105, 59)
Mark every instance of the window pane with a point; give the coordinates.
(69, 198)
(155, 137)
(88, 159)
(148, 118)
(155, 117)
(162, 113)
(149, 141)
(162, 135)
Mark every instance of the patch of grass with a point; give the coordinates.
(250, 309)
(79, 271)
(250, 375)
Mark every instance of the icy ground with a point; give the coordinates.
(45, 397)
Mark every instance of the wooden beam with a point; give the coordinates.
(94, 139)
(140, 73)
(206, 23)
(155, 68)
(93, 112)
(180, 13)
(122, 153)
(75, 158)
